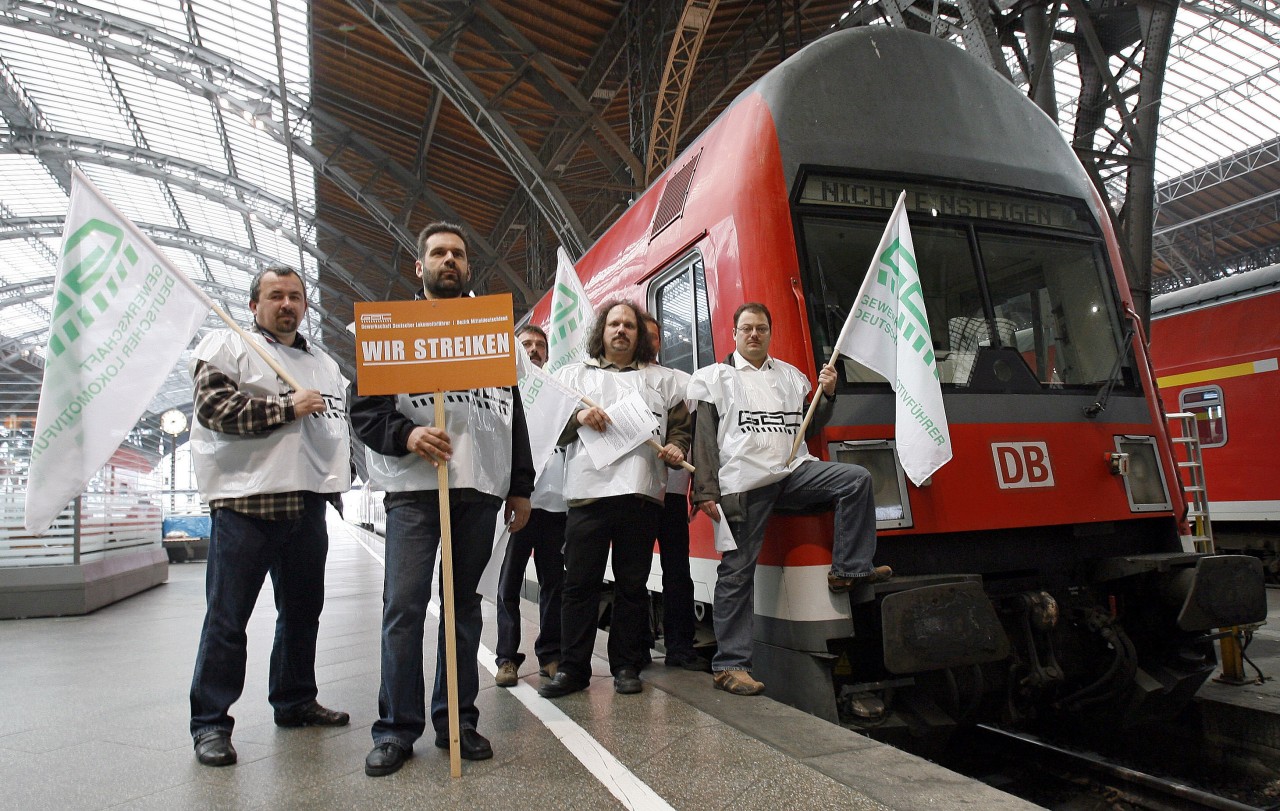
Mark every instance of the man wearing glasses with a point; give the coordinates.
(748, 411)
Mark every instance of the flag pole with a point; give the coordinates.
(241, 331)
(813, 405)
(808, 417)
(192, 286)
(817, 395)
(256, 347)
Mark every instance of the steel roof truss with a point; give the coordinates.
(439, 67)
(191, 66)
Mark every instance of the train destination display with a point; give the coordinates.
(934, 201)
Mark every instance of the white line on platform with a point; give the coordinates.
(630, 790)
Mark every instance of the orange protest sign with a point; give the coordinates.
(404, 347)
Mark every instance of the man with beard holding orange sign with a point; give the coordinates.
(485, 444)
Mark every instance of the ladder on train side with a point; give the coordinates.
(1231, 643)
(1191, 473)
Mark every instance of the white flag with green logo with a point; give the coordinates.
(548, 404)
(571, 317)
(888, 332)
(121, 317)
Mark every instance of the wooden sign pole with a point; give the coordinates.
(438, 345)
(447, 614)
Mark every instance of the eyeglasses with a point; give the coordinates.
(760, 330)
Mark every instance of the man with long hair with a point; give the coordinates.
(618, 505)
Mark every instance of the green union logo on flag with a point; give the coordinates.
(94, 257)
(565, 308)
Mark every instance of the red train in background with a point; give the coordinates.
(1041, 574)
(1216, 348)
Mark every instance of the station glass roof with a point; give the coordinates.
(141, 137)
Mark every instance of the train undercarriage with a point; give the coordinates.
(1130, 644)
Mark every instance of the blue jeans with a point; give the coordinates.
(811, 485)
(413, 537)
(543, 537)
(242, 552)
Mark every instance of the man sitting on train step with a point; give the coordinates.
(741, 467)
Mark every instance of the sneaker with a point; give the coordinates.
(839, 585)
(507, 675)
(738, 682)
(549, 670)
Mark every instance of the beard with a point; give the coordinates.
(440, 285)
(280, 324)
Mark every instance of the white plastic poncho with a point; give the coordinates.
(311, 454)
(478, 422)
(760, 411)
(639, 471)
(548, 490)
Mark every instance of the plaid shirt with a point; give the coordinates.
(221, 406)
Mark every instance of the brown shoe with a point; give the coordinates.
(738, 682)
(549, 670)
(839, 585)
(507, 676)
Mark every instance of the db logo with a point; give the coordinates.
(1022, 464)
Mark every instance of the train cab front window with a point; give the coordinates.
(840, 252)
(1008, 312)
(1050, 305)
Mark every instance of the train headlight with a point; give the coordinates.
(887, 478)
(1144, 485)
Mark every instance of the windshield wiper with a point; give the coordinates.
(1104, 394)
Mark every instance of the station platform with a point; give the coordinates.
(1244, 719)
(94, 715)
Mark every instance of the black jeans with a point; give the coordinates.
(630, 524)
(677, 583)
(242, 552)
(543, 537)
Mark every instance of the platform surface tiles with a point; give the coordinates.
(94, 715)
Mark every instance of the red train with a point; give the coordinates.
(1215, 348)
(1040, 572)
